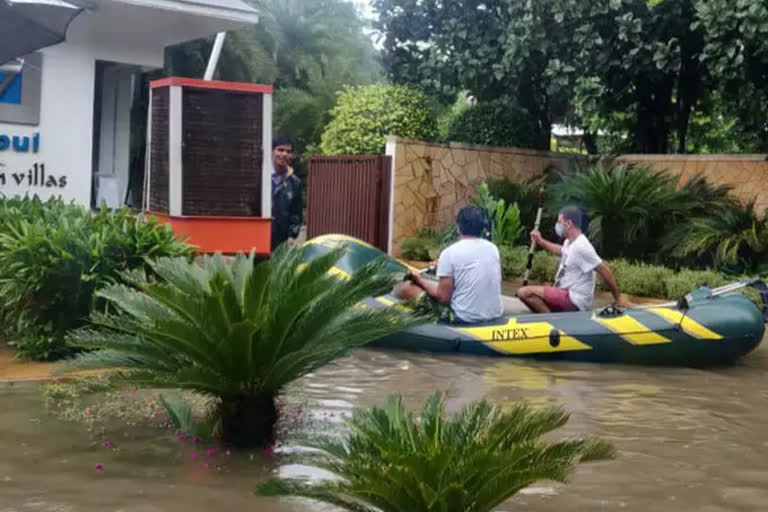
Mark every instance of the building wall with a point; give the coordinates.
(432, 181)
(65, 130)
(66, 115)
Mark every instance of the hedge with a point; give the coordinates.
(364, 116)
(53, 257)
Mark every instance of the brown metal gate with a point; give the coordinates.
(349, 195)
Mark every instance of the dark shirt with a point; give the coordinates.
(287, 207)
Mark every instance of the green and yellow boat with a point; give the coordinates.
(708, 326)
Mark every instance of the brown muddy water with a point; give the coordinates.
(688, 440)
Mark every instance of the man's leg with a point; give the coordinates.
(279, 235)
(407, 290)
(533, 297)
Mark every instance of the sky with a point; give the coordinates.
(365, 5)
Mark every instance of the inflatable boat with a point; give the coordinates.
(707, 326)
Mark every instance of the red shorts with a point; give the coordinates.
(557, 300)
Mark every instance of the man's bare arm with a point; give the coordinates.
(442, 291)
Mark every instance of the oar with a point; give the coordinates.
(529, 263)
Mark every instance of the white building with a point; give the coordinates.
(65, 119)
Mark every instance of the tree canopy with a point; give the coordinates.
(308, 50)
(642, 67)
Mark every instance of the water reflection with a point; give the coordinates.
(688, 440)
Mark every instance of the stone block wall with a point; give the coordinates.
(747, 174)
(431, 182)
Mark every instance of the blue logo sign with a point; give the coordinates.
(20, 89)
(10, 88)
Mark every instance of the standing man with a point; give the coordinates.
(574, 286)
(287, 206)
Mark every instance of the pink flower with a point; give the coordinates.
(210, 452)
(107, 444)
(99, 468)
(227, 453)
(193, 456)
(269, 451)
(205, 465)
(196, 439)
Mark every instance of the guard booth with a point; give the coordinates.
(209, 163)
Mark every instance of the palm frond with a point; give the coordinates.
(392, 462)
(235, 330)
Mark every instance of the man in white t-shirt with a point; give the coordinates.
(574, 286)
(469, 272)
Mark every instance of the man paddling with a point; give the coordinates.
(574, 286)
(469, 272)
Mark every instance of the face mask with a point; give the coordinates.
(560, 230)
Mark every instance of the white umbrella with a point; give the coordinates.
(28, 25)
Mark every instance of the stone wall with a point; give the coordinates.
(432, 181)
(747, 174)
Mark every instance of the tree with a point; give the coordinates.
(235, 332)
(496, 50)
(641, 57)
(472, 463)
(365, 116)
(737, 48)
(639, 67)
(308, 50)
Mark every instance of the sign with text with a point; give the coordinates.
(34, 177)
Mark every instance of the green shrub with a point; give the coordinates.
(506, 228)
(526, 195)
(685, 281)
(641, 279)
(416, 248)
(513, 260)
(364, 116)
(544, 266)
(54, 255)
(496, 123)
(428, 243)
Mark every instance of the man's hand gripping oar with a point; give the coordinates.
(529, 263)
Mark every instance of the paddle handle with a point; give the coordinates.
(532, 249)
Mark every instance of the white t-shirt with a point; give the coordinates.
(576, 272)
(475, 266)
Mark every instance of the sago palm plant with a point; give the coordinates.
(235, 332)
(733, 238)
(623, 203)
(391, 462)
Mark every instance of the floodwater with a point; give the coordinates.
(688, 440)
